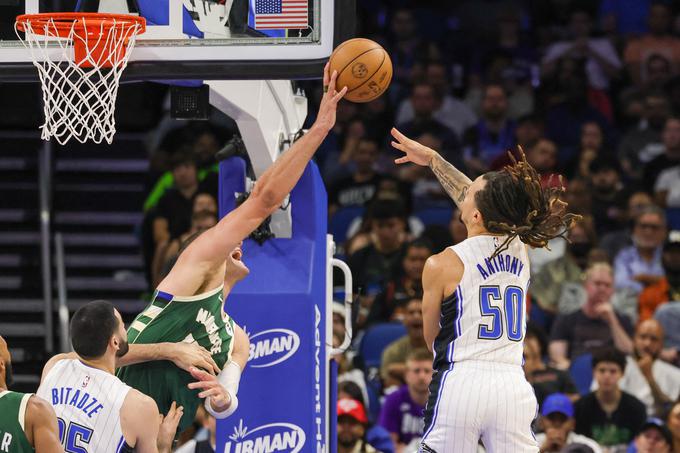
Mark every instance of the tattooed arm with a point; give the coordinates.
(453, 180)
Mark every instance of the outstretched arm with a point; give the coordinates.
(211, 249)
(454, 181)
(183, 355)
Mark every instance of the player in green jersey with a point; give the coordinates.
(27, 422)
(188, 305)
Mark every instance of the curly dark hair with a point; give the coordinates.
(513, 203)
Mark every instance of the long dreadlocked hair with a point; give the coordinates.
(513, 203)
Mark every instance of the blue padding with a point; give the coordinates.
(282, 306)
(376, 339)
(157, 12)
(435, 216)
(581, 371)
(341, 221)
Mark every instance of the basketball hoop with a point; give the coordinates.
(80, 58)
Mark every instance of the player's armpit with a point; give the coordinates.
(41, 426)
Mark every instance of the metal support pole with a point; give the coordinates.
(45, 182)
(64, 344)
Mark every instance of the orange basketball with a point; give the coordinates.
(363, 67)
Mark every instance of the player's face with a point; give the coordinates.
(236, 269)
(651, 441)
(607, 375)
(469, 213)
(418, 375)
(121, 337)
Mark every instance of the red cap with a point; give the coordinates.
(353, 408)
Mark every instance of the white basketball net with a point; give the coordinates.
(80, 96)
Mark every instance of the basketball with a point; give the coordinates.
(364, 67)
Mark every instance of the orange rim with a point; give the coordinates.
(63, 23)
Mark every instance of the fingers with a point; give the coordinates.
(326, 76)
(200, 374)
(202, 385)
(215, 394)
(213, 365)
(398, 146)
(339, 95)
(398, 135)
(402, 160)
(206, 365)
(331, 82)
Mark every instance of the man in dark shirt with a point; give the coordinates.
(608, 415)
(377, 263)
(362, 185)
(594, 326)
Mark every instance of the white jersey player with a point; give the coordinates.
(474, 314)
(96, 412)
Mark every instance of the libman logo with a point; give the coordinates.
(273, 346)
(273, 437)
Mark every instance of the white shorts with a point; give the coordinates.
(480, 400)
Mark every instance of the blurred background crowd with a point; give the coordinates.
(590, 91)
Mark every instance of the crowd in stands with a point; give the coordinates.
(590, 91)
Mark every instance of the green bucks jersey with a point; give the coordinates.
(198, 319)
(12, 414)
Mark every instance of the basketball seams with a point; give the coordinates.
(382, 63)
(356, 58)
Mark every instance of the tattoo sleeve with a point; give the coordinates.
(452, 180)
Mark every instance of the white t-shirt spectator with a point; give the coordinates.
(669, 181)
(666, 376)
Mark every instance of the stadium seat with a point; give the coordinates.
(435, 216)
(341, 220)
(581, 371)
(376, 339)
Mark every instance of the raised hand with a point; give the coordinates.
(329, 102)
(168, 427)
(415, 152)
(187, 355)
(210, 386)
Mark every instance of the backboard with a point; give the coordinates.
(204, 39)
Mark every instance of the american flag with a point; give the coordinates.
(281, 14)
